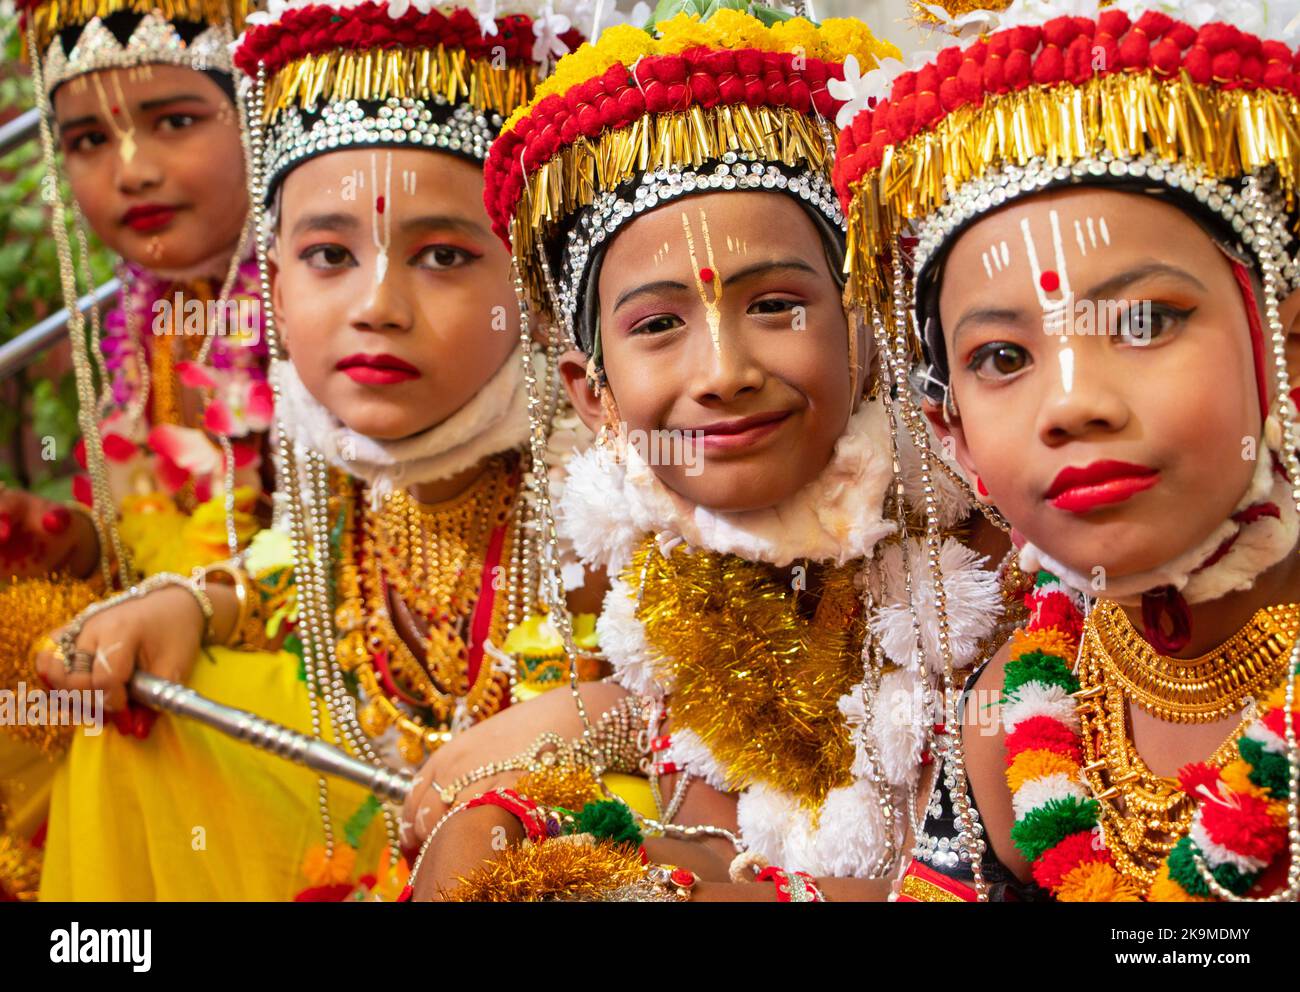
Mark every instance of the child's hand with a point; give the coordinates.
(39, 537)
(158, 633)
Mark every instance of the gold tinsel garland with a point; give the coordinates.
(568, 788)
(20, 869)
(418, 74)
(30, 609)
(560, 869)
(574, 176)
(1226, 132)
(747, 671)
(49, 19)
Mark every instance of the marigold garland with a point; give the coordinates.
(1239, 826)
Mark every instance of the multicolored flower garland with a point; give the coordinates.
(1238, 829)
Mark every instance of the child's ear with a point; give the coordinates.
(1290, 314)
(582, 392)
(952, 439)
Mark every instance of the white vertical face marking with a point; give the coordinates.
(1105, 231)
(125, 133)
(1078, 238)
(1006, 255)
(1066, 359)
(1052, 287)
(408, 182)
(381, 216)
(987, 267)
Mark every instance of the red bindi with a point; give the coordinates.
(379, 205)
(1050, 281)
(706, 274)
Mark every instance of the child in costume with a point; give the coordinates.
(667, 198)
(402, 556)
(139, 117)
(1105, 297)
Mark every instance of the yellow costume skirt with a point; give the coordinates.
(189, 814)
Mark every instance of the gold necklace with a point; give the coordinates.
(1143, 815)
(1203, 689)
(456, 537)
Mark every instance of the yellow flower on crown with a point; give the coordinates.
(799, 35)
(737, 29)
(686, 31)
(845, 36)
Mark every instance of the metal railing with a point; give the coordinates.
(24, 349)
(19, 131)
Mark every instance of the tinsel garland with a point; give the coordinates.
(561, 869)
(751, 675)
(570, 788)
(30, 609)
(20, 869)
(419, 74)
(1239, 826)
(49, 17)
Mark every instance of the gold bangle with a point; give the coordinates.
(243, 595)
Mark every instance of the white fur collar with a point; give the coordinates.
(608, 505)
(1258, 547)
(495, 420)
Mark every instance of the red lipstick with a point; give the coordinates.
(148, 217)
(377, 370)
(729, 435)
(1079, 490)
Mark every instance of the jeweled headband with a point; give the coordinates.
(1177, 104)
(742, 100)
(80, 36)
(353, 75)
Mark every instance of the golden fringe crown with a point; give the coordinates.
(1228, 133)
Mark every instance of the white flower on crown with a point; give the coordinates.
(1276, 19)
(487, 16)
(862, 91)
(396, 8)
(611, 16)
(547, 28)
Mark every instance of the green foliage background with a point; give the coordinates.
(32, 403)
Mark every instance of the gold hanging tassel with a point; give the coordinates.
(417, 74)
(51, 18)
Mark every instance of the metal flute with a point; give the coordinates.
(386, 783)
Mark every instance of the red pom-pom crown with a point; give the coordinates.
(663, 84)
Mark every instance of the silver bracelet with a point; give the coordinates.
(163, 579)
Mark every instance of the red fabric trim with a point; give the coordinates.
(480, 618)
(1242, 275)
(925, 873)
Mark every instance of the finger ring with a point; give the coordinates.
(46, 645)
(82, 662)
